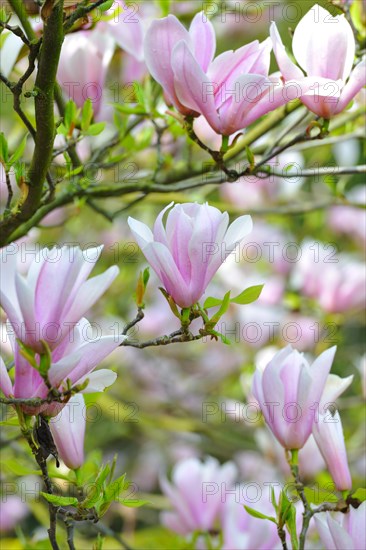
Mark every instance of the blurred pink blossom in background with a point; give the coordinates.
(195, 494)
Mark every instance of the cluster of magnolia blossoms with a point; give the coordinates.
(46, 326)
(295, 397)
(205, 498)
(234, 89)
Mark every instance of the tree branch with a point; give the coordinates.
(45, 124)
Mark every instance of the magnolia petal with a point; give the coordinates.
(328, 434)
(324, 45)
(159, 229)
(324, 531)
(288, 69)
(161, 260)
(356, 82)
(68, 431)
(342, 540)
(141, 232)
(98, 380)
(89, 293)
(26, 302)
(203, 39)
(193, 87)
(334, 387)
(239, 229)
(6, 385)
(320, 371)
(8, 295)
(160, 39)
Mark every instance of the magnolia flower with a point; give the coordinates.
(230, 91)
(328, 434)
(74, 360)
(337, 282)
(13, 510)
(196, 494)
(55, 294)
(187, 252)
(289, 392)
(343, 531)
(126, 26)
(68, 431)
(242, 531)
(84, 59)
(324, 46)
(349, 220)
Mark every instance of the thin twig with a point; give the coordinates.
(176, 337)
(139, 316)
(80, 12)
(70, 533)
(17, 31)
(10, 192)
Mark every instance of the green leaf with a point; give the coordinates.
(4, 155)
(248, 295)
(114, 490)
(360, 494)
(70, 113)
(211, 302)
(18, 469)
(95, 129)
(96, 491)
(223, 309)
(250, 157)
(132, 503)
(127, 110)
(18, 153)
(106, 5)
(45, 359)
(13, 421)
(86, 115)
(146, 276)
(28, 354)
(61, 501)
(291, 526)
(3, 16)
(257, 514)
(164, 6)
(286, 514)
(273, 499)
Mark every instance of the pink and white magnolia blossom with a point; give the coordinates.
(336, 281)
(343, 531)
(54, 295)
(187, 252)
(230, 91)
(68, 432)
(324, 46)
(196, 494)
(13, 509)
(328, 434)
(84, 60)
(241, 531)
(74, 359)
(290, 392)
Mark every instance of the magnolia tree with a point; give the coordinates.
(242, 171)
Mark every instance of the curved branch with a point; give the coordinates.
(45, 124)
